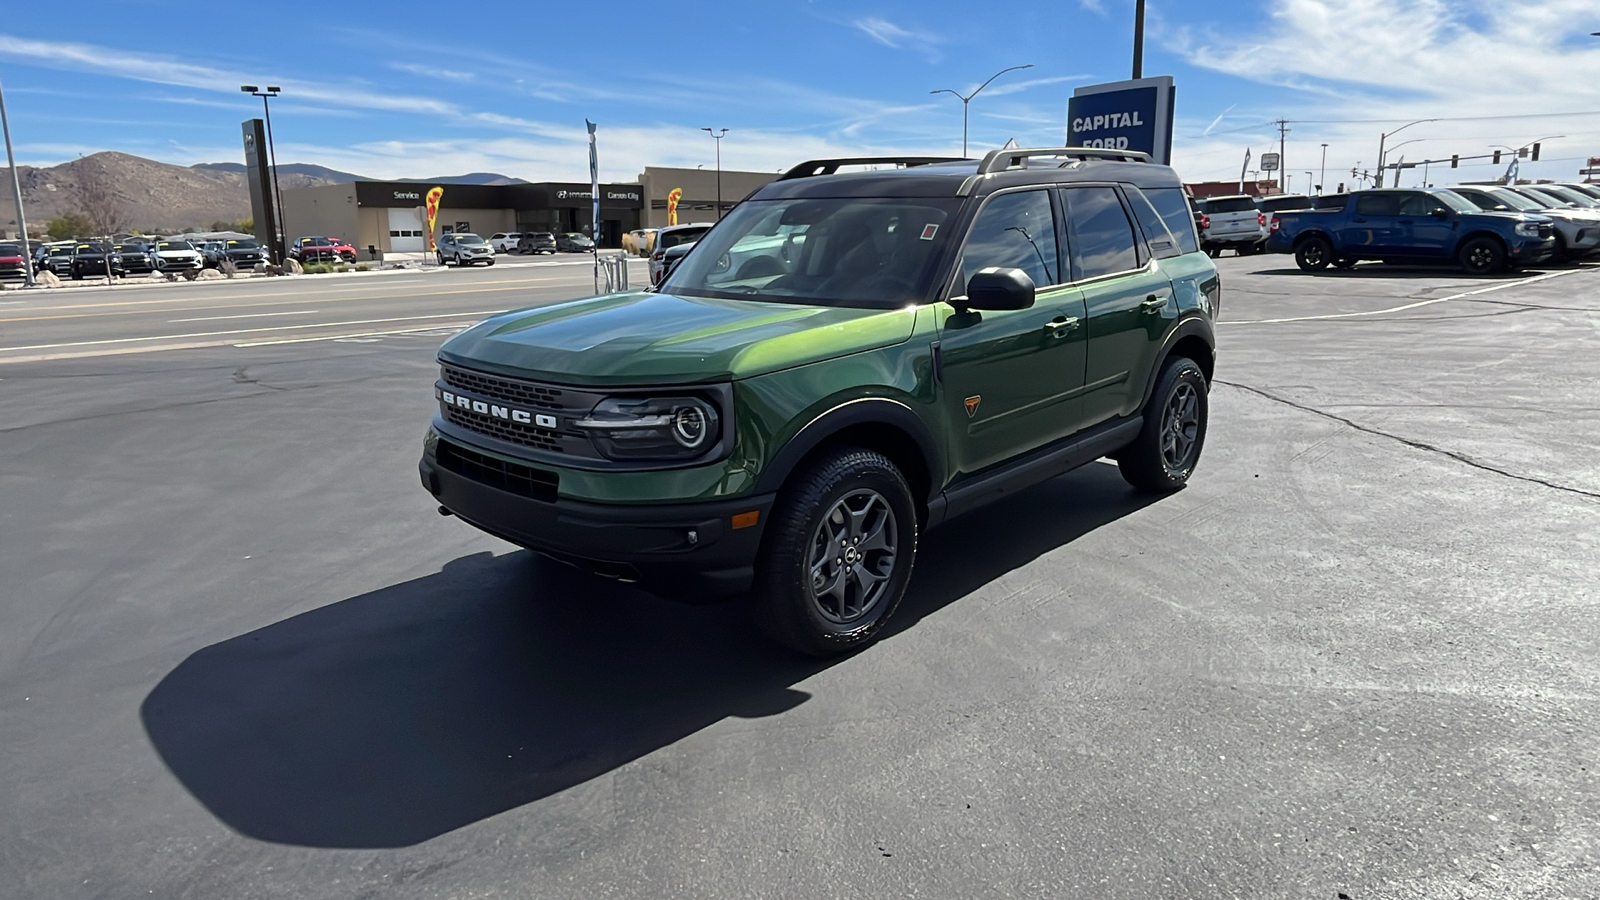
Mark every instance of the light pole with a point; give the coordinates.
(280, 230)
(1385, 137)
(968, 99)
(1322, 183)
(1396, 168)
(1138, 40)
(718, 136)
(16, 187)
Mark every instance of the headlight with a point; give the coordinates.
(1527, 229)
(652, 428)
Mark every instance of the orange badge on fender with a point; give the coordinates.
(972, 405)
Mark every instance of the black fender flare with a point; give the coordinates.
(861, 411)
(1315, 232)
(1193, 325)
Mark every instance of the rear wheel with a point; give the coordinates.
(837, 555)
(1164, 454)
(1313, 253)
(1482, 256)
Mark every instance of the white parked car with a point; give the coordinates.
(175, 256)
(669, 237)
(505, 241)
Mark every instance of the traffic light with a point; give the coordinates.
(1522, 153)
(1497, 157)
(1455, 160)
(1535, 152)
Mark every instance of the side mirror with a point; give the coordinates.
(999, 288)
(1440, 213)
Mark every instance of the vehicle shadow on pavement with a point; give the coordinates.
(393, 717)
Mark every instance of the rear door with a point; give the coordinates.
(1127, 296)
(1015, 375)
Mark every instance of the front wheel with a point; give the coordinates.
(1345, 262)
(837, 555)
(1313, 253)
(1164, 454)
(1482, 256)
(441, 258)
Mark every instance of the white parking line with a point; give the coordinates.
(292, 312)
(364, 336)
(1420, 303)
(207, 334)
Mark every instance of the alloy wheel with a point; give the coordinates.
(1180, 425)
(852, 557)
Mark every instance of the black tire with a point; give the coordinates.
(1313, 253)
(489, 263)
(1345, 262)
(1482, 256)
(1164, 455)
(821, 608)
(1213, 252)
(1562, 252)
(440, 256)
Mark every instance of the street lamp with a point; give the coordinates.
(968, 99)
(718, 136)
(1322, 183)
(16, 187)
(1397, 167)
(280, 230)
(1385, 137)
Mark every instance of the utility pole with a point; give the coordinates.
(1322, 183)
(16, 187)
(1138, 40)
(1283, 162)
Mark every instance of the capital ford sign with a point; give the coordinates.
(1124, 115)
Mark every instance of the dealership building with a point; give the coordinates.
(389, 216)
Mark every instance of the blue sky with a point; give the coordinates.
(424, 89)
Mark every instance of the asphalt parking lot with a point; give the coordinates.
(243, 657)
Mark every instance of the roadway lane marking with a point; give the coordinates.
(1420, 303)
(206, 334)
(434, 330)
(292, 312)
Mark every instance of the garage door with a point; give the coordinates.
(406, 230)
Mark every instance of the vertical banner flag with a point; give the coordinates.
(594, 191)
(672, 205)
(1244, 168)
(1511, 172)
(433, 214)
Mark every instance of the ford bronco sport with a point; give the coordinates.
(844, 361)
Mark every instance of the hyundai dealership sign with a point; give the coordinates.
(1124, 115)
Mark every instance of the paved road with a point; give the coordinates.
(242, 657)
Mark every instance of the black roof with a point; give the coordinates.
(960, 178)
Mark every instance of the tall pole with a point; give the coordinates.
(965, 99)
(16, 188)
(1322, 183)
(1283, 158)
(1384, 137)
(282, 227)
(718, 136)
(1138, 39)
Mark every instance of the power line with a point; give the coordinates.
(1588, 112)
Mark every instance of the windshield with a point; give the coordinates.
(10, 250)
(468, 239)
(831, 252)
(1546, 201)
(174, 245)
(1512, 199)
(131, 248)
(243, 245)
(1571, 196)
(1454, 201)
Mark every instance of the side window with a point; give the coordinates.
(1015, 231)
(1418, 205)
(1375, 205)
(1102, 237)
(1175, 211)
(1156, 234)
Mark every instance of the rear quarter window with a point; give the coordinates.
(1173, 205)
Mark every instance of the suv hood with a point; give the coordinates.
(642, 338)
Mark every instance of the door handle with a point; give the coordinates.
(1061, 326)
(1153, 303)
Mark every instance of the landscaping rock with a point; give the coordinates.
(47, 279)
(211, 275)
(293, 267)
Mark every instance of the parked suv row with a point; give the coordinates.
(844, 361)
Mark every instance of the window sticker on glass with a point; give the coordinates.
(928, 231)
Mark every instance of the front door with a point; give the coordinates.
(1369, 228)
(1419, 230)
(1128, 297)
(1013, 379)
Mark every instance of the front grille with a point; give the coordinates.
(526, 393)
(511, 477)
(514, 432)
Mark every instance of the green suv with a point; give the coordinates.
(844, 361)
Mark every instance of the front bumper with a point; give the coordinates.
(687, 551)
(1533, 251)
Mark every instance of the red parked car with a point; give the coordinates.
(322, 249)
(12, 262)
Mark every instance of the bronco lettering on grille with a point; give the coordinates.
(494, 410)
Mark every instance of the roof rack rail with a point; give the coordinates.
(1000, 160)
(813, 167)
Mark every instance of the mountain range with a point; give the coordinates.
(155, 196)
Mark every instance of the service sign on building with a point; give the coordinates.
(1124, 115)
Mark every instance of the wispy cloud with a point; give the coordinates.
(433, 72)
(889, 34)
(1002, 88)
(1218, 120)
(1098, 7)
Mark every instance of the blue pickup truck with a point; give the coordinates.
(1424, 225)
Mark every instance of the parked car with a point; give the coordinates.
(670, 237)
(1329, 201)
(573, 242)
(175, 256)
(536, 242)
(640, 241)
(317, 250)
(464, 249)
(1234, 224)
(211, 252)
(505, 241)
(57, 259)
(13, 265)
(245, 254)
(1588, 189)
(1276, 203)
(91, 259)
(784, 423)
(1570, 198)
(136, 258)
(672, 256)
(1577, 230)
(1423, 225)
